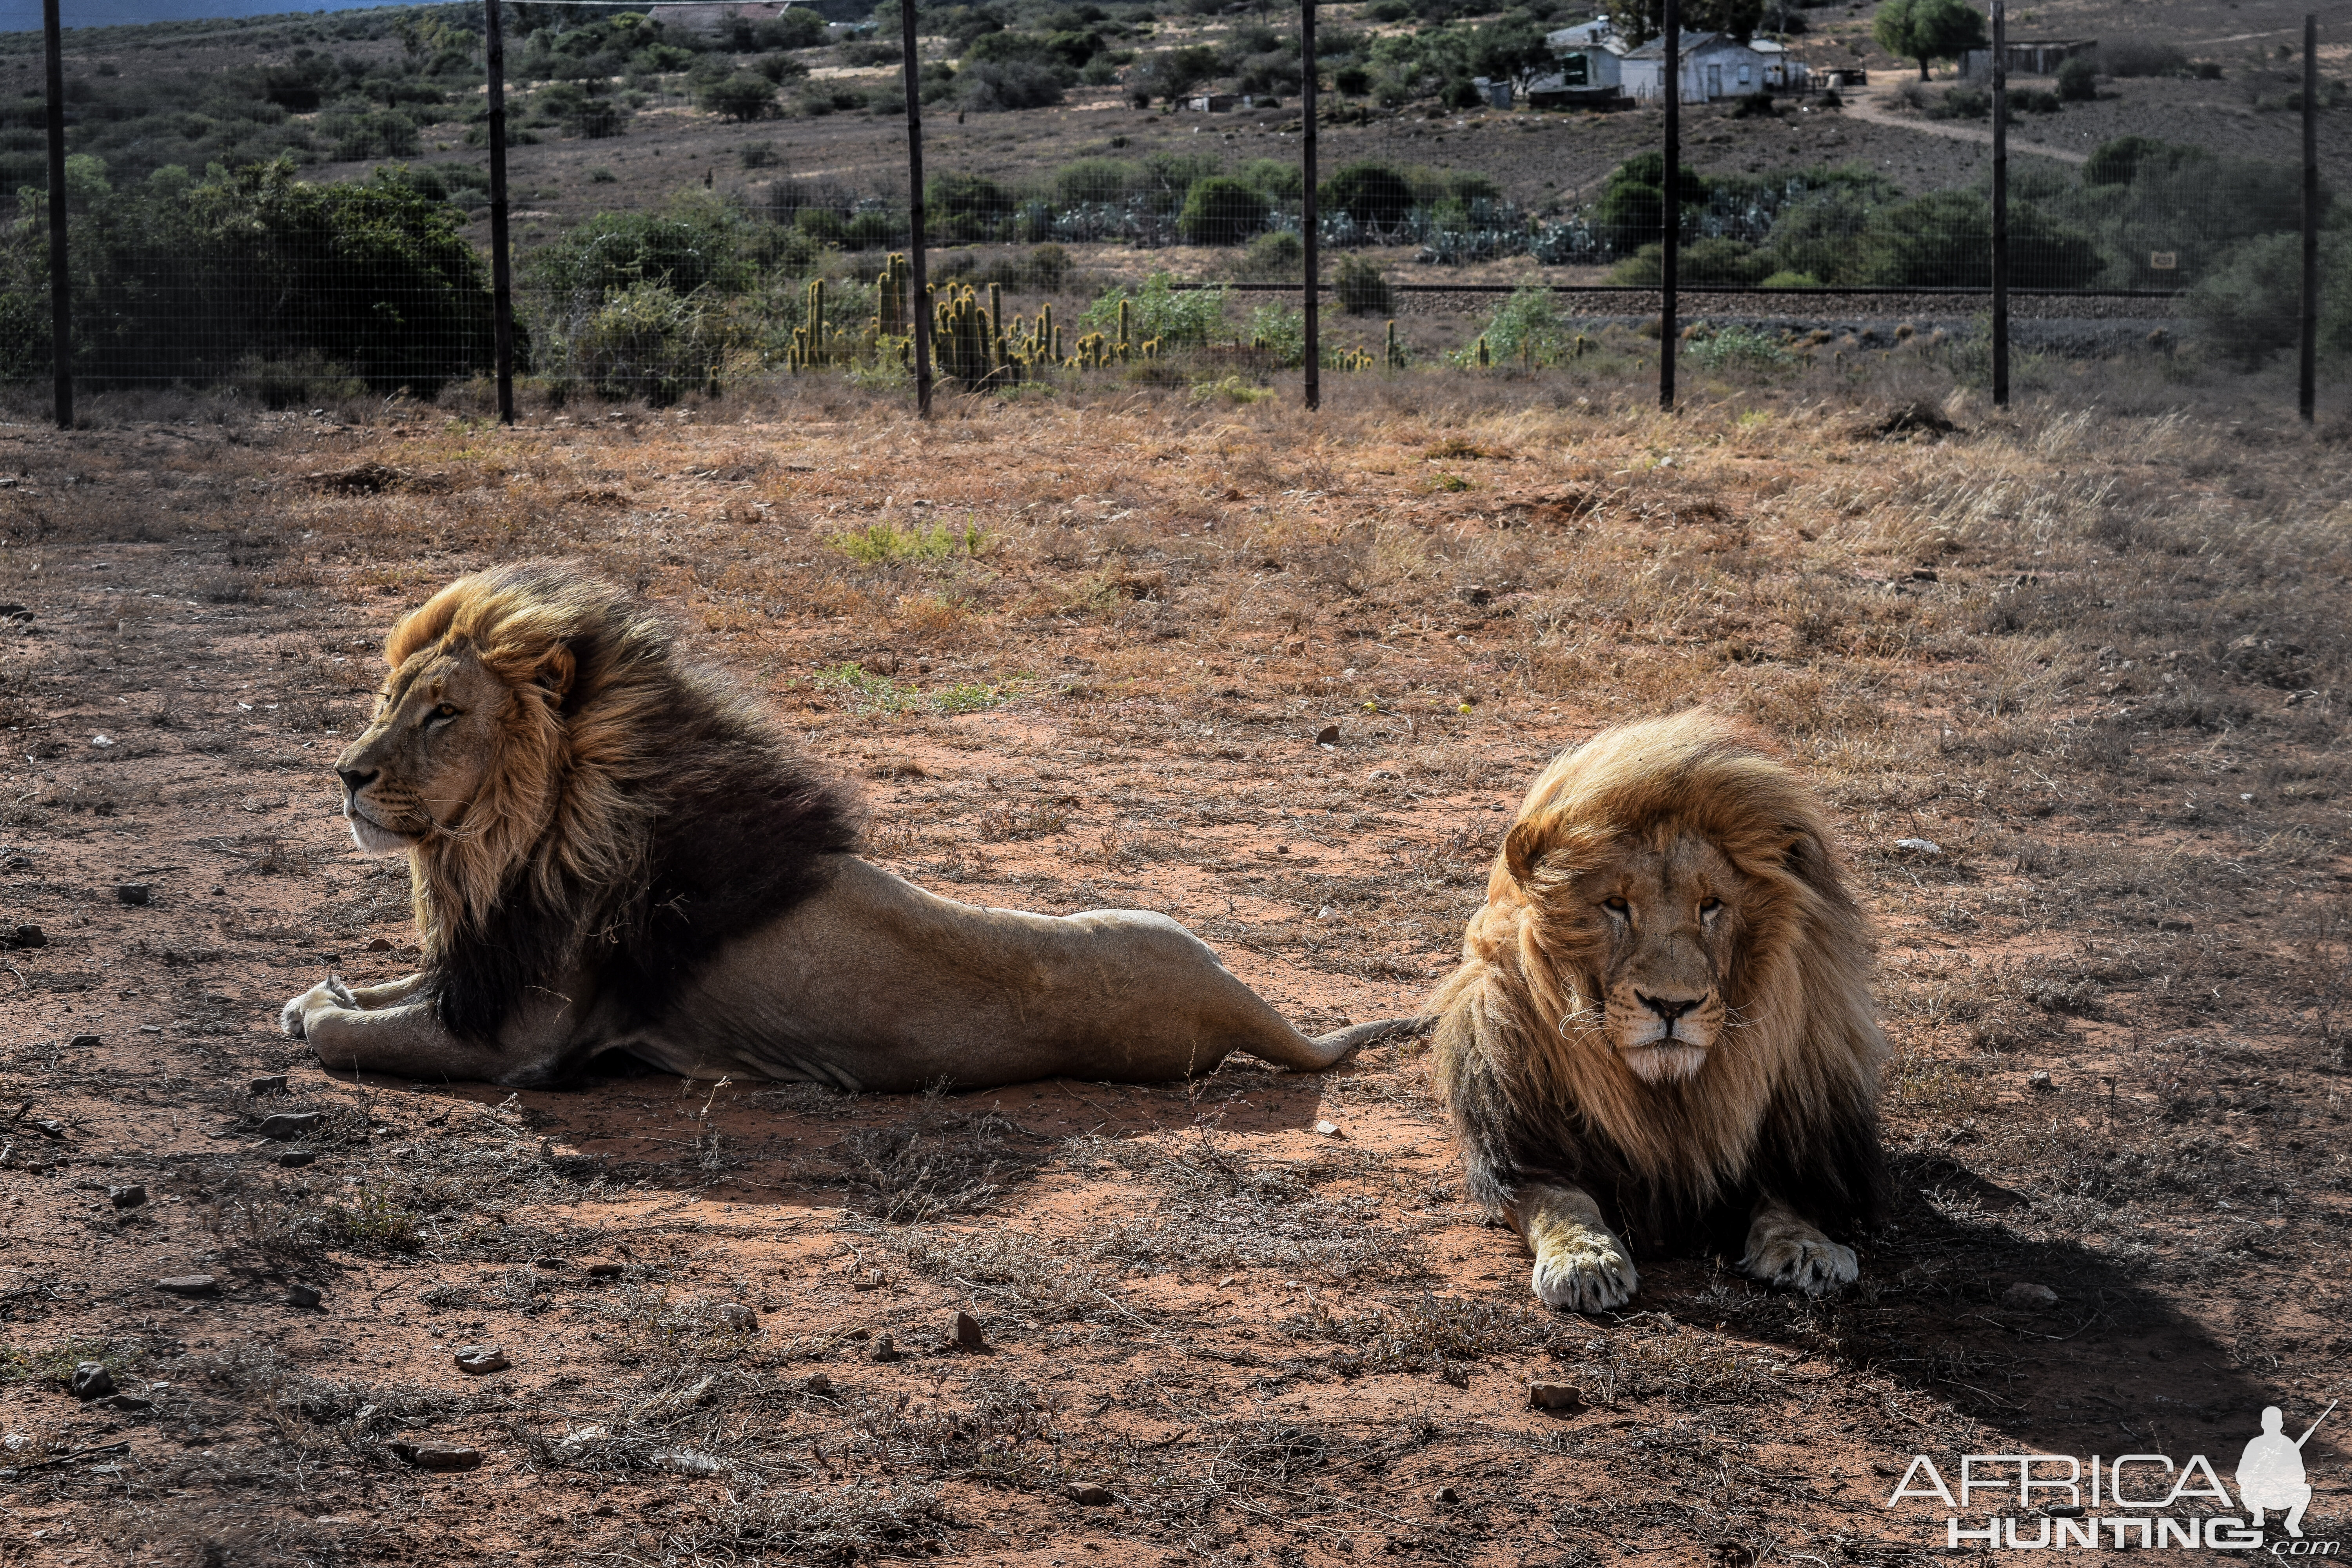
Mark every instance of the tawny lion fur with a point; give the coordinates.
(1781, 1113)
(611, 850)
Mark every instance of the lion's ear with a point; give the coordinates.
(1807, 859)
(1522, 848)
(555, 672)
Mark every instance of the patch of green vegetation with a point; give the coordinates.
(56, 1365)
(888, 543)
(867, 692)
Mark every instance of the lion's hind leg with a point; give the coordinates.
(1785, 1249)
(1581, 1265)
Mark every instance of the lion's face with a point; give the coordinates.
(1652, 933)
(421, 762)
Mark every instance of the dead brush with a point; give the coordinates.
(1031, 1276)
(937, 1162)
(785, 1523)
(1430, 1333)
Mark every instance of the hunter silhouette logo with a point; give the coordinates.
(2128, 1501)
(2269, 1472)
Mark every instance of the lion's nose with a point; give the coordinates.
(357, 779)
(1666, 1009)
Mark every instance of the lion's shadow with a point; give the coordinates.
(2071, 1346)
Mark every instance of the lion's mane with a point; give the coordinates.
(1786, 1102)
(639, 813)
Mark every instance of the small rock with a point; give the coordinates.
(92, 1381)
(126, 1402)
(1327, 736)
(31, 936)
(86, 1042)
(965, 1332)
(1919, 846)
(2027, 1295)
(1555, 1397)
(547, 1263)
(188, 1284)
(271, 1083)
(736, 1317)
(135, 893)
(2063, 1509)
(688, 1462)
(437, 1455)
(129, 1197)
(481, 1360)
(1922, 575)
(818, 1384)
(381, 944)
(49, 1128)
(2039, 1081)
(1328, 1129)
(101, 741)
(1087, 1494)
(296, 1157)
(1448, 1495)
(302, 1296)
(603, 1269)
(287, 1125)
(2172, 923)
(885, 1349)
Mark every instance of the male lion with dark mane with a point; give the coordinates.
(611, 851)
(1662, 1028)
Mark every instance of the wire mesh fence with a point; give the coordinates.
(312, 222)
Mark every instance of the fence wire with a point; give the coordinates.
(206, 250)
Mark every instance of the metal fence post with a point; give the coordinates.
(2308, 382)
(1999, 203)
(60, 268)
(918, 307)
(1314, 257)
(1671, 77)
(494, 52)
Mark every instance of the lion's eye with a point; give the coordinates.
(1615, 906)
(1708, 906)
(443, 710)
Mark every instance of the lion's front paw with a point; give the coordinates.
(1799, 1259)
(1588, 1273)
(330, 994)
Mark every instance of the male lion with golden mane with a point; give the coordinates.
(1662, 1028)
(611, 851)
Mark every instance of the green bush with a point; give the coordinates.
(963, 208)
(2251, 304)
(1369, 193)
(1156, 311)
(1220, 210)
(1700, 262)
(257, 265)
(645, 340)
(1277, 254)
(1360, 287)
(1529, 318)
(1631, 212)
(743, 97)
(1944, 239)
(2078, 81)
(1095, 180)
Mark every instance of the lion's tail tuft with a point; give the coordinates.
(1330, 1050)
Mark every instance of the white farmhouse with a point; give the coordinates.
(1714, 66)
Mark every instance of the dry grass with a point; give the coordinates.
(1078, 650)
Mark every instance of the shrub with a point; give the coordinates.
(1927, 30)
(1156, 311)
(990, 86)
(2119, 161)
(1095, 180)
(1280, 332)
(742, 97)
(2141, 57)
(1371, 194)
(1700, 263)
(1631, 208)
(684, 251)
(801, 27)
(1277, 254)
(964, 209)
(645, 340)
(1220, 210)
(1944, 239)
(1752, 106)
(1963, 104)
(2251, 304)
(1529, 318)
(1352, 82)
(2078, 81)
(1360, 288)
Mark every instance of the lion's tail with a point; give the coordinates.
(1330, 1050)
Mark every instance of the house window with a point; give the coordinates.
(1576, 72)
(1743, 75)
